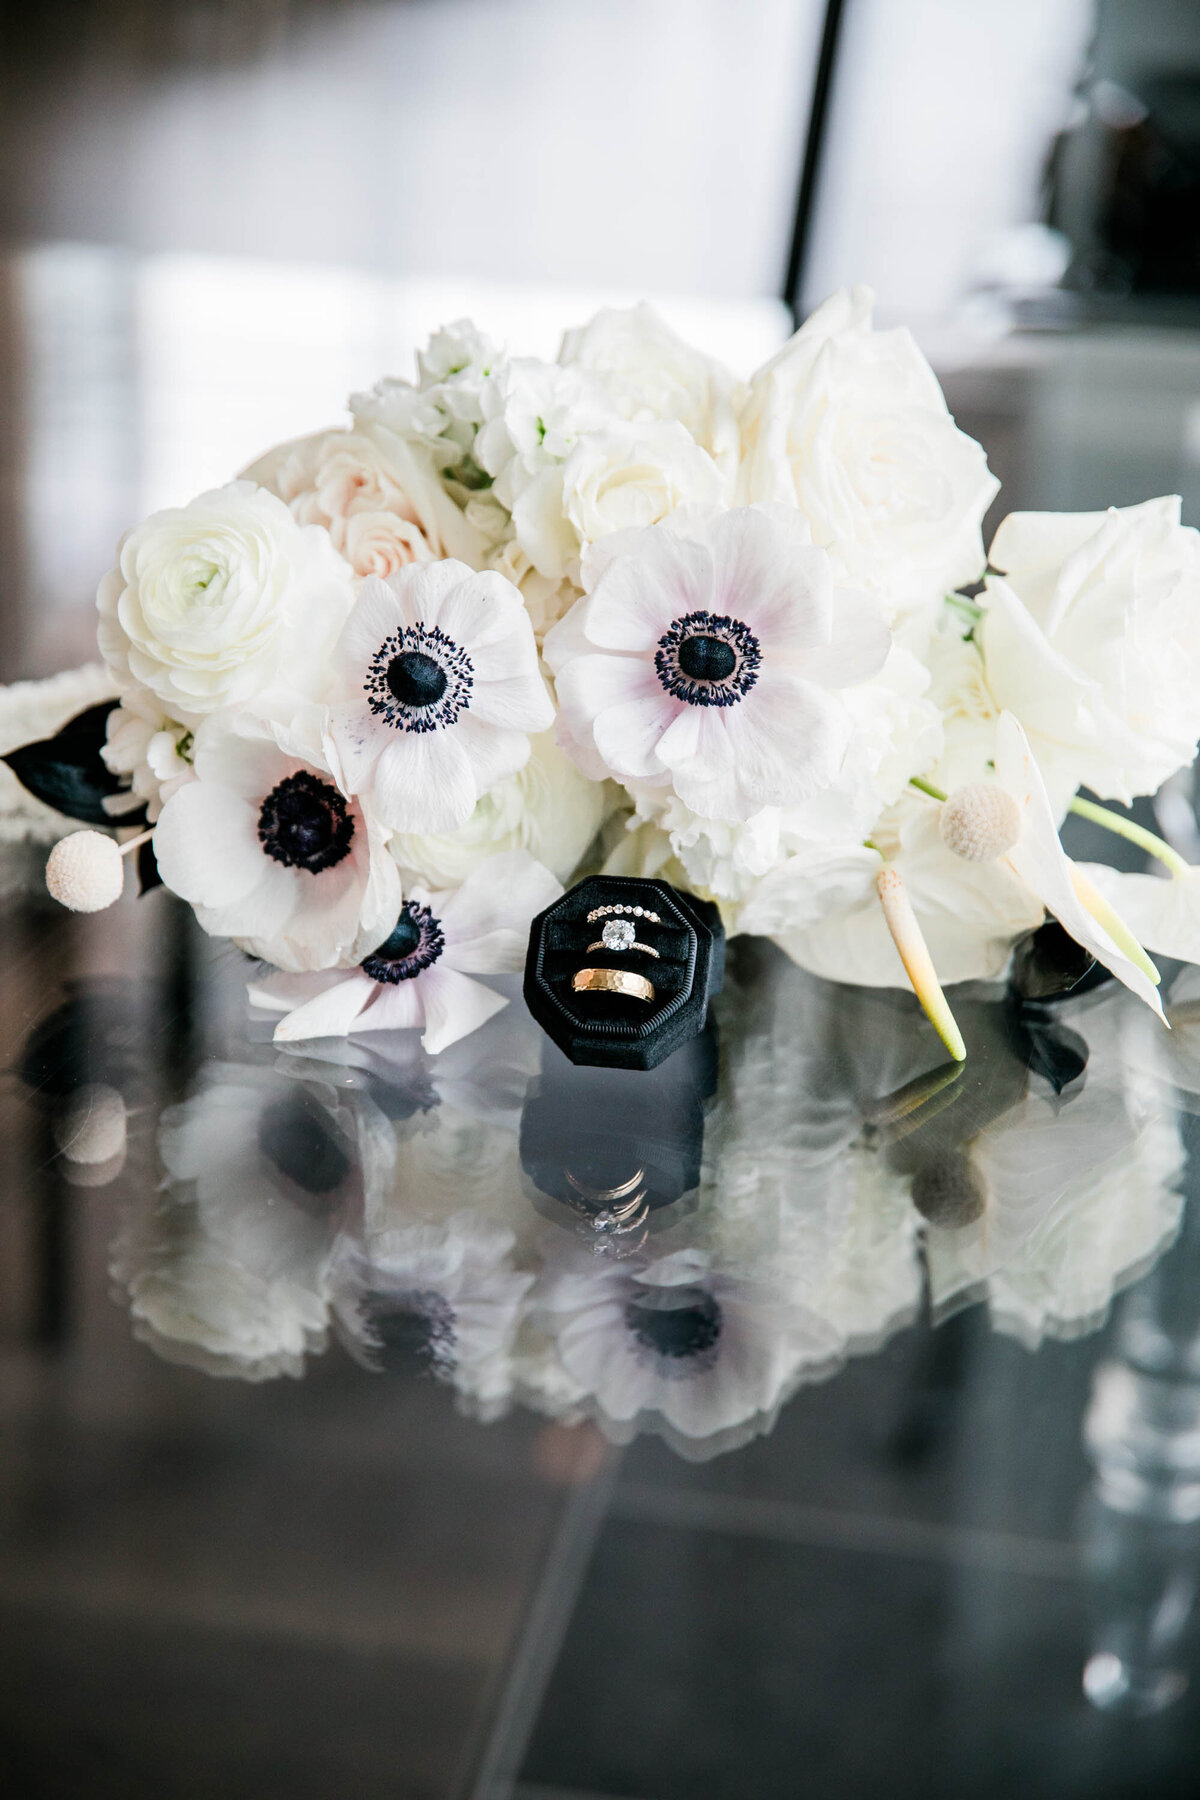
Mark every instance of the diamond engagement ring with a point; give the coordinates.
(632, 912)
(618, 934)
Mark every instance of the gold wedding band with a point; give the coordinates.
(601, 945)
(612, 981)
(622, 1192)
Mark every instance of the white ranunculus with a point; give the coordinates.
(850, 425)
(221, 602)
(1091, 638)
(547, 808)
(651, 373)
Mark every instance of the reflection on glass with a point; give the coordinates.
(676, 1252)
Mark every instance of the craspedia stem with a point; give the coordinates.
(918, 964)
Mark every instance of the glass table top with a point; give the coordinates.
(808, 1415)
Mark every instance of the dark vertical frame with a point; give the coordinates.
(814, 145)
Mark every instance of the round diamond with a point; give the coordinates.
(617, 934)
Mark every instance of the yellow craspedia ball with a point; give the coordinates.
(85, 871)
(980, 822)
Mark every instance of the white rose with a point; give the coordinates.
(342, 479)
(625, 476)
(217, 603)
(547, 808)
(650, 372)
(850, 425)
(1092, 638)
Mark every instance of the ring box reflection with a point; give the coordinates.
(617, 1145)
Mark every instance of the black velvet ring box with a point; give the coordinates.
(620, 1031)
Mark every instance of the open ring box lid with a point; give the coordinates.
(620, 1031)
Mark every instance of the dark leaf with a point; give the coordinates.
(67, 771)
(147, 868)
(1051, 1049)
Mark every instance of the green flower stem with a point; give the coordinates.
(926, 787)
(1136, 834)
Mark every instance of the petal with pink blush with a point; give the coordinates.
(520, 702)
(588, 685)
(454, 1005)
(772, 579)
(206, 845)
(639, 596)
(789, 739)
(395, 1006)
(359, 739)
(424, 782)
(377, 615)
(331, 1013)
(628, 736)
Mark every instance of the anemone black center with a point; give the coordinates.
(414, 1328)
(295, 1135)
(675, 1322)
(704, 658)
(415, 679)
(304, 823)
(415, 941)
(405, 936)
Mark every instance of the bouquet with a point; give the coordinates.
(379, 697)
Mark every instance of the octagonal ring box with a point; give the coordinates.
(619, 1031)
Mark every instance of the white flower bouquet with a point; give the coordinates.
(380, 696)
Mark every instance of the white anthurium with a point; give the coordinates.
(419, 974)
(849, 424)
(1162, 911)
(270, 849)
(706, 657)
(1091, 637)
(440, 693)
(978, 871)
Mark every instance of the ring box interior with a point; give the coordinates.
(622, 1031)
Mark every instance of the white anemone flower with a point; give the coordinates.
(1012, 820)
(446, 1298)
(710, 1353)
(443, 691)
(704, 657)
(420, 974)
(271, 851)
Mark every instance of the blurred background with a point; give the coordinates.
(220, 216)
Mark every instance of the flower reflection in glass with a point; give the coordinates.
(705, 1352)
(228, 1268)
